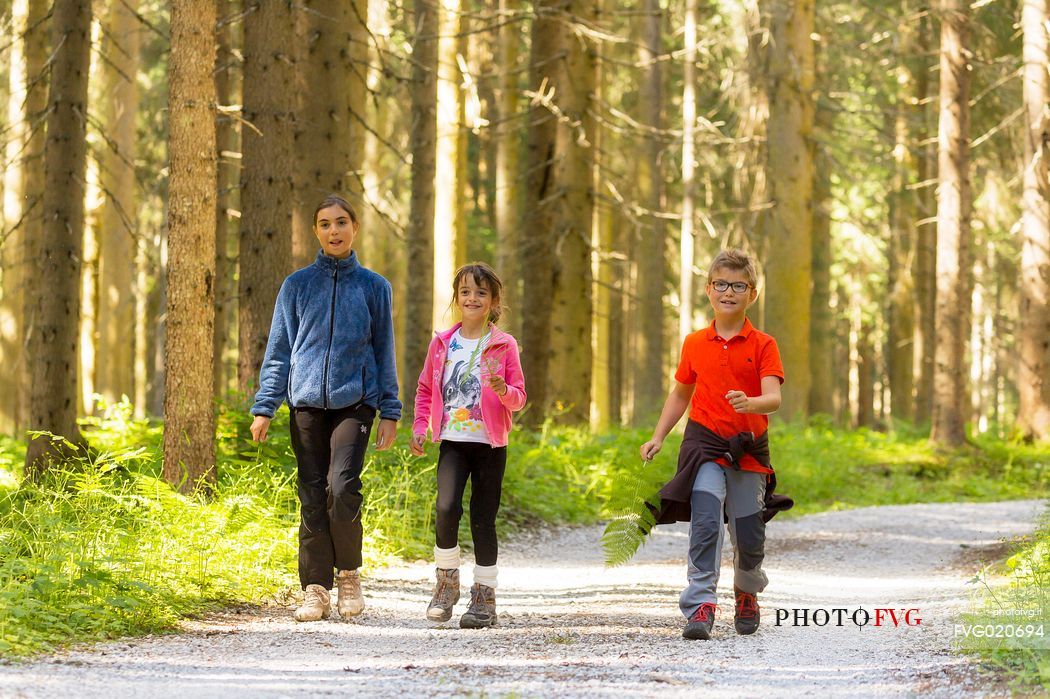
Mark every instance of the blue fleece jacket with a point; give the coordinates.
(331, 341)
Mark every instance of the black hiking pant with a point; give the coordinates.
(484, 466)
(330, 448)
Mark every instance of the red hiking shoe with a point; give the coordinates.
(747, 615)
(699, 625)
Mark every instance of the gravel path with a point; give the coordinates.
(570, 627)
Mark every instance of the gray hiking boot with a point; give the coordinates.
(446, 594)
(482, 611)
(317, 604)
(350, 601)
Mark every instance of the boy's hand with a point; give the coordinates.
(260, 426)
(740, 401)
(651, 449)
(416, 445)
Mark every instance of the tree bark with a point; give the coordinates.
(925, 261)
(508, 157)
(419, 235)
(652, 379)
(951, 399)
(227, 195)
(1034, 375)
(267, 197)
(789, 174)
(687, 240)
(116, 305)
(189, 419)
(55, 300)
(822, 328)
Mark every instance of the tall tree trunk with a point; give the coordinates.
(790, 176)
(900, 330)
(559, 202)
(924, 270)
(87, 318)
(227, 196)
(822, 328)
(866, 363)
(651, 378)
(448, 187)
(331, 87)
(508, 157)
(419, 235)
(13, 261)
(55, 300)
(601, 269)
(116, 305)
(687, 239)
(951, 401)
(189, 420)
(267, 198)
(1034, 377)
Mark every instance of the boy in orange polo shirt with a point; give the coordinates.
(729, 377)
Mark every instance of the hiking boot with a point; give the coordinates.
(699, 625)
(446, 594)
(350, 601)
(317, 604)
(482, 611)
(746, 617)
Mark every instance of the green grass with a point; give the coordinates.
(104, 548)
(1017, 611)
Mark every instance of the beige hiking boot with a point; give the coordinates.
(316, 606)
(446, 594)
(482, 611)
(350, 601)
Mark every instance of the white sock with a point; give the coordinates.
(447, 558)
(485, 575)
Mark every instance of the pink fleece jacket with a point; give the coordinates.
(500, 356)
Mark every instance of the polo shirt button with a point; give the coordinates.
(725, 346)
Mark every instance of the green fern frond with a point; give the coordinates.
(626, 532)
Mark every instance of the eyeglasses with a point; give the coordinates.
(738, 287)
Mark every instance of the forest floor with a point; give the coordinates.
(568, 626)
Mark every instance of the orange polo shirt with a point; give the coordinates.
(718, 366)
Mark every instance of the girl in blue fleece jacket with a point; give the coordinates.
(330, 355)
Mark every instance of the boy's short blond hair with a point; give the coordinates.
(736, 260)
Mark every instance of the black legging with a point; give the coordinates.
(330, 448)
(484, 465)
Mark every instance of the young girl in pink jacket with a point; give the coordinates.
(470, 384)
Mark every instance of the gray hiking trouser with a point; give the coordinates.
(741, 494)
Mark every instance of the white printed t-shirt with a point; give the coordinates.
(461, 391)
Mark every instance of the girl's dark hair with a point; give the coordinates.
(483, 275)
(335, 200)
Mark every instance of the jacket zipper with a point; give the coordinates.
(331, 335)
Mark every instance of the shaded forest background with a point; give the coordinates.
(884, 163)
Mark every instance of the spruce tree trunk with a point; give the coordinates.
(189, 420)
(448, 185)
(55, 301)
(822, 329)
(686, 254)
(419, 235)
(951, 399)
(1034, 375)
(900, 331)
(331, 88)
(508, 157)
(925, 261)
(789, 173)
(118, 231)
(652, 379)
(227, 195)
(267, 198)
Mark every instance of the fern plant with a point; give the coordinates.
(626, 532)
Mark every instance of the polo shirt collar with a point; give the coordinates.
(745, 332)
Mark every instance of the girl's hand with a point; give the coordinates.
(385, 434)
(260, 426)
(740, 401)
(651, 449)
(498, 384)
(418, 440)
